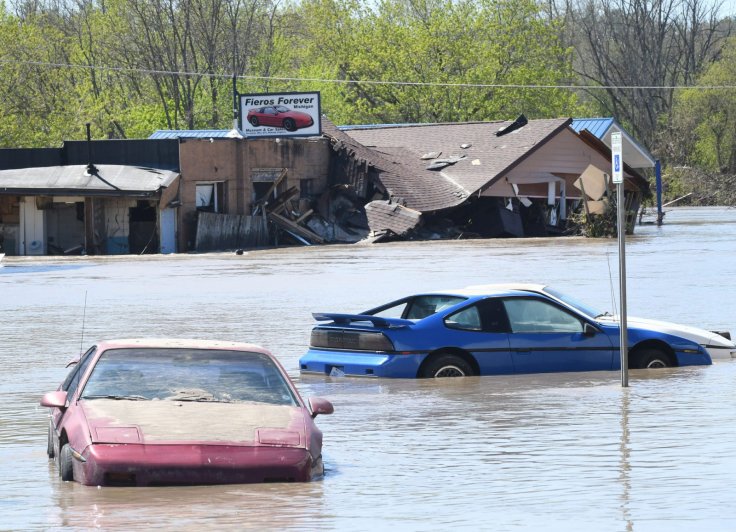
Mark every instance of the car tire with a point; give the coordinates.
(254, 121)
(446, 365)
(651, 359)
(66, 464)
(289, 124)
(50, 442)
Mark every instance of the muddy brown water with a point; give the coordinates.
(551, 452)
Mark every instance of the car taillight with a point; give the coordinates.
(350, 340)
(319, 338)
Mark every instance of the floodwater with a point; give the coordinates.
(543, 452)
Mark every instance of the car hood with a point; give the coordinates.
(700, 336)
(152, 422)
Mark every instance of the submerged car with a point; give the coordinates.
(279, 116)
(148, 412)
(496, 330)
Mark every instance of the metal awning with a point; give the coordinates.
(107, 180)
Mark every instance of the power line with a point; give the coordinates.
(367, 82)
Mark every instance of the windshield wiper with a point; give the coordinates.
(117, 397)
(606, 313)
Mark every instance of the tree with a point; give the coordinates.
(652, 44)
(429, 46)
(705, 119)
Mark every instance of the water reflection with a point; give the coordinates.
(552, 452)
(10, 269)
(625, 464)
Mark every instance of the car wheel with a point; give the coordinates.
(289, 124)
(66, 467)
(254, 121)
(50, 443)
(446, 366)
(652, 359)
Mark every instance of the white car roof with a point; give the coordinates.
(491, 289)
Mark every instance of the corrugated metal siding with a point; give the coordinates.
(13, 158)
(188, 134)
(161, 154)
(597, 126)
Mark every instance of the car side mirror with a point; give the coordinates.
(320, 406)
(55, 399)
(589, 330)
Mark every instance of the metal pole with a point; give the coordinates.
(235, 103)
(617, 167)
(658, 177)
(623, 337)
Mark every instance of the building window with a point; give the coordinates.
(210, 197)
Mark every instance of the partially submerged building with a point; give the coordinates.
(57, 201)
(491, 179)
(213, 189)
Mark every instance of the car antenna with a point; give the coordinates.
(610, 280)
(84, 316)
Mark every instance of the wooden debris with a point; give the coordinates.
(291, 226)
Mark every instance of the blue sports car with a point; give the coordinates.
(497, 330)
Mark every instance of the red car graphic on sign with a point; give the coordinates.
(279, 116)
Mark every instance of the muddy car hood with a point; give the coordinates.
(166, 422)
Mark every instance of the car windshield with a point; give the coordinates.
(187, 375)
(585, 309)
(282, 109)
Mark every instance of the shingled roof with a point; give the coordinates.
(487, 157)
(402, 173)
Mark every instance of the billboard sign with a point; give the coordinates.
(286, 114)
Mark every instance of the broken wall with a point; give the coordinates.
(245, 168)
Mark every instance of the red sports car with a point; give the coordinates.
(279, 116)
(166, 412)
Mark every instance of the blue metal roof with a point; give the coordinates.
(597, 126)
(189, 133)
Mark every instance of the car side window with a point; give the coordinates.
(394, 311)
(422, 306)
(487, 315)
(467, 319)
(537, 316)
(493, 315)
(417, 307)
(71, 383)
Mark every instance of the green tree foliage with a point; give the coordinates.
(706, 117)
(148, 64)
(37, 100)
(637, 52)
(423, 42)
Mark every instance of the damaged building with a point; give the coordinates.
(100, 197)
(486, 179)
(211, 190)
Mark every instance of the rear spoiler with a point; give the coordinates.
(346, 319)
